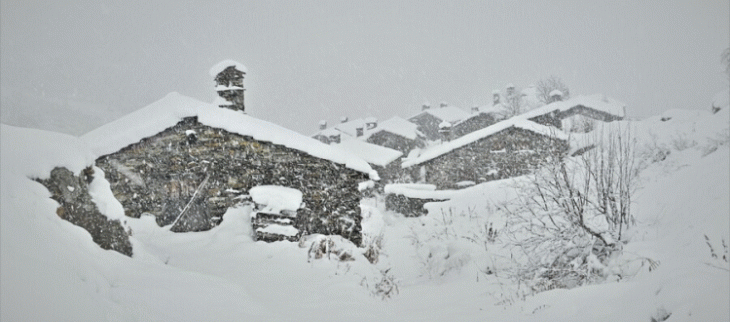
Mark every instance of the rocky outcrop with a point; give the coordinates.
(77, 207)
(160, 175)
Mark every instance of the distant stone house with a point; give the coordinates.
(186, 162)
(398, 134)
(384, 160)
(506, 149)
(477, 121)
(577, 114)
(429, 118)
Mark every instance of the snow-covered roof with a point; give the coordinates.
(556, 92)
(397, 125)
(350, 128)
(171, 109)
(222, 65)
(220, 88)
(447, 113)
(442, 149)
(419, 191)
(373, 154)
(598, 102)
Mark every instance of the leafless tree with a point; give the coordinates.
(549, 84)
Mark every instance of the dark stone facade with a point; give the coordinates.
(555, 118)
(509, 153)
(474, 123)
(395, 141)
(408, 206)
(76, 206)
(160, 174)
(428, 125)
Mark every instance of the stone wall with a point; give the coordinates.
(76, 206)
(428, 125)
(394, 141)
(472, 124)
(159, 175)
(508, 153)
(408, 206)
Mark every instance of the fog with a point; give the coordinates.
(70, 66)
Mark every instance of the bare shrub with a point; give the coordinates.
(571, 213)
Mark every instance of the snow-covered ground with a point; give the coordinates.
(440, 267)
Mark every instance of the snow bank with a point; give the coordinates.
(222, 65)
(276, 198)
(171, 109)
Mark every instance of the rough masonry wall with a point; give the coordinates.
(509, 153)
(394, 141)
(76, 206)
(160, 175)
(428, 125)
(472, 124)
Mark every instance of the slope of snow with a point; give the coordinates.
(373, 154)
(171, 109)
(396, 125)
(448, 113)
(597, 102)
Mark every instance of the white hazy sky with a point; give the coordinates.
(73, 65)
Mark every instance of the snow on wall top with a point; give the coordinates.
(373, 154)
(397, 125)
(222, 65)
(442, 149)
(171, 109)
(447, 113)
(597, 102)
(276, 198)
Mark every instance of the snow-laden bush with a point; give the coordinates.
(570, 216)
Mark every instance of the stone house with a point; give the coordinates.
(429, 118)
(477, 121)
(506, 149)
(186, 162)
(577, 114)
(228, 76)
(396, 133)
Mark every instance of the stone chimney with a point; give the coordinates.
(475, 109)
(445, 131)
(228, 76)
(510, 89)
(556, 95)
(344, 119)
(495, 97)
(359, 131)
(443, 104)
(425, 106)
(371, 123)
(322, 125)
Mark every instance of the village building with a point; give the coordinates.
(186, 162)
(429, 118)
(398, 134)
(506, 149)
(383, 160)
(479, 119)
(577, 114)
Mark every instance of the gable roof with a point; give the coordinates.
(596, 102)
(472, 137)
(350, 128)
(397, 125)
(171, 109)
(448, 113)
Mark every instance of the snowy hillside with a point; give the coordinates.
(452, 265)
